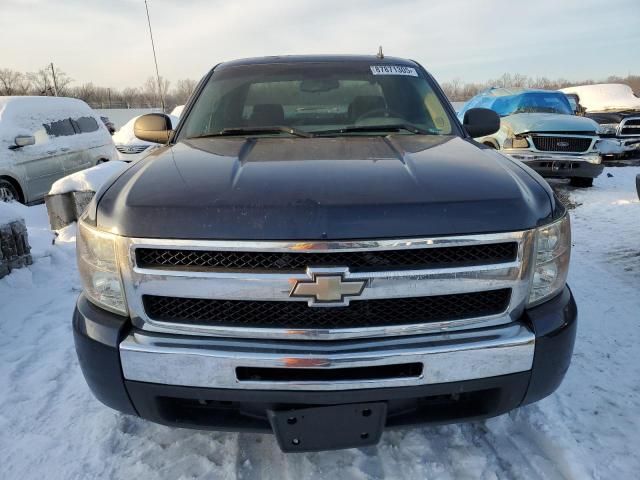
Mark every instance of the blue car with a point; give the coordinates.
(539, 128)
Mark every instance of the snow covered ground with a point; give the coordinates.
(51, 426)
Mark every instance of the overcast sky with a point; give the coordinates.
(107, 41)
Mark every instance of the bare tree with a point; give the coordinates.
(183, 90)
(13, 83)
(86, 92)
(42, 82)
(130, 97)
(151, 94)
(148, 95)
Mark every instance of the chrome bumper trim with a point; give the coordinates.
(212, 363)
(265, 286)
(535, 156)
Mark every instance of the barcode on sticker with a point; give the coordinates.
(393, 70)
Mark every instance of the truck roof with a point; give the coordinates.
(504, 91)
(373, 59)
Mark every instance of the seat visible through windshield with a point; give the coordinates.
(314, 97)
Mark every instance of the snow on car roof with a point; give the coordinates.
(27, 116)
(605, 97)
(42, 109)
(177, 111)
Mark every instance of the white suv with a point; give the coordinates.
(43, 139)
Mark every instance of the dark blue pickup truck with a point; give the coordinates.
(321, 250)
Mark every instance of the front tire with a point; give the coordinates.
(581, 182)
(8, 192)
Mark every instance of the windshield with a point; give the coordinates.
(311, 98)
(532, 102)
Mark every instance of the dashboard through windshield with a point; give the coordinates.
(303, 99)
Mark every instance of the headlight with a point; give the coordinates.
(516, 143)
(553, 249)
(99, 270)
(608, 128)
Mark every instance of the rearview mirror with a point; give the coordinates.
(479, 122)
(22, 141)
(153, 127)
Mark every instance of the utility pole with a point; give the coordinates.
(109, 95)
(55, 84)
(153, 47)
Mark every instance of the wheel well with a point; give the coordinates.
(16, 185)
(490, 143)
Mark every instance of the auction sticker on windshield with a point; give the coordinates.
(393, 70)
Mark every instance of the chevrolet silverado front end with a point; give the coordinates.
(319, 252)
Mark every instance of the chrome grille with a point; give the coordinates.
(356, 261)
(131, 149)
(630, 127)
(363, 313)
(561, 144)
(242, 289)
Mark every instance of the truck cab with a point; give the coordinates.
(320, 250)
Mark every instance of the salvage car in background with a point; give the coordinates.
(43, 139)
(538, 127)
(131, 148)
(615, 107)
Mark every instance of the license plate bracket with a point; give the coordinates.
(328, 428)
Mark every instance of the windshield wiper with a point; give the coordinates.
(393, 127)
(255, 130)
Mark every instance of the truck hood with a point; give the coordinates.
(548, 122)
(323, 188)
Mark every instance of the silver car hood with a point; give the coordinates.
(548, 122)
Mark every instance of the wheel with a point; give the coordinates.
(8, 192)
(581, 182)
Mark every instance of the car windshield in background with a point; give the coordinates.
(331, 98)
(531, 102)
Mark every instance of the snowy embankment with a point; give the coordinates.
(52, 427)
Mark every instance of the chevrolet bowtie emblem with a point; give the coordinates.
(327, 288)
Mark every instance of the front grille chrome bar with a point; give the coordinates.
(276, 286)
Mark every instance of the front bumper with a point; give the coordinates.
(559, 165)
(610, 145)
(196, 385)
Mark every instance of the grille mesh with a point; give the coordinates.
(131, 149)
(630, 127)
(562, 144)
(356, 261)
(298, 315)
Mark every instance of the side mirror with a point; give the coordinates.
(22, 141)
(479, 122)
(153, 127)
